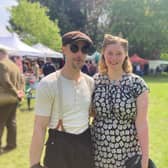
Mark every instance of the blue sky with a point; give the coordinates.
(4, 4)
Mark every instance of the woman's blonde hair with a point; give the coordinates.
(108, 40)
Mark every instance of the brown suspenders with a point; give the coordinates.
(59, 125)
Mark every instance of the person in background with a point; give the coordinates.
(85, 68)
(92, 68)
(11, 92)
(36, 70)
(48, 67)
(120, 105)
(25, 66)
(18, 61)
(62, 104)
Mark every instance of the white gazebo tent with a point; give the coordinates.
(153, 64)
(8, 49)
(20, 48)
(5, 47)
(47, 51)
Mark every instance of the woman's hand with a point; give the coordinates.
(144, 162)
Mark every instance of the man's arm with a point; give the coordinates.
(38, 138)
(43, 109)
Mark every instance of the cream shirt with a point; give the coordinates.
(76, 98)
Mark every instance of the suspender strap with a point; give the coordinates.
(60, 92)
(59, 104)
(60, 126)
(60, 100)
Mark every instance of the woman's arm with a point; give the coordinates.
(142, 127)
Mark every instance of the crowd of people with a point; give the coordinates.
(68, 97)
(38, 68)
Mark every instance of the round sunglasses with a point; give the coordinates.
(75, 48)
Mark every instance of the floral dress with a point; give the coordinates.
(113, 132)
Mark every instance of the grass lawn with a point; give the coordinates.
(158, 122)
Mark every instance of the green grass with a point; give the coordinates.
(19, 157)
(158, 122)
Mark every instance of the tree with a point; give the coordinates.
(67, 12)
(77, 15)
(95, 25)
(143, 23)
(30, 21)
(164, 56)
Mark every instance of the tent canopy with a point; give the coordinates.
(48, 52)
(153, 64)
(20, 48)
(136, 59)
(8, 49)
(5, 47)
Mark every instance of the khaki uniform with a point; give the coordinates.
(11, 81)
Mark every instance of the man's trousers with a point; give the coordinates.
(8, 120)
(65, 150)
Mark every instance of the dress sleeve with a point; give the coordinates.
(139, 86)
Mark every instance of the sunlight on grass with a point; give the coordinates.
(158, 118)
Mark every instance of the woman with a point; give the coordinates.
(120, 102)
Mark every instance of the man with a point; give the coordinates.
(11, 91)
(62, 104)
(36, 70)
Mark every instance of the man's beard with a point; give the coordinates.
(77, 66)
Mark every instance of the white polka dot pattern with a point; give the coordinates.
(114, 134)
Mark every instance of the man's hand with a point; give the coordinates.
(20, 94)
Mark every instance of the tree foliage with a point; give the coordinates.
(143, 22)
(77, 15)
(67, 12)
(30, 21)
(96, 20)
(164, 56)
